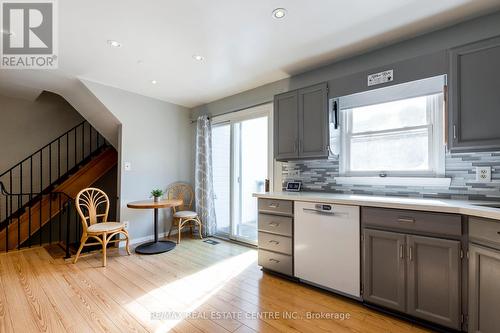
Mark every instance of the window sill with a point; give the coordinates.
(397, 181)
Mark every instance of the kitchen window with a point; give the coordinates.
(393, 132)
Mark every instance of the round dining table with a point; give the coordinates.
(156, 246)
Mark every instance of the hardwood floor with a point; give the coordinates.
(197, 287)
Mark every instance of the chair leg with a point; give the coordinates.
(127, 242)
(82, 243)
(179, 231)
(104, 246)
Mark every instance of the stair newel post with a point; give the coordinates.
(10, 210)
(31, 198)
(41, 196)
(19, 205)
(59, 208)
(67, 152)
(74, 153)
(68, 224)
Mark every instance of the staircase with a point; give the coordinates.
(74, 161)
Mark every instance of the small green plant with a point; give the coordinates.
(156, 193)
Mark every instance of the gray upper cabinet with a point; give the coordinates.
(384, 269)
(313, 120)
(286, 127)
(301, 123)
(474, 101)
(434, 280)
(484, 290)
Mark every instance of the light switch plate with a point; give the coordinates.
(127, 166)
(483, 174)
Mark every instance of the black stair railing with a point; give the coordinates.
(56, 215)
(36, 176)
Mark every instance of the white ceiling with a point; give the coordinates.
(243, 46)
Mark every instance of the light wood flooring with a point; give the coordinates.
(197, 287)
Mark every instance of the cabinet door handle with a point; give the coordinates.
(274, 224)
(401, 251)
(410, 253)
(274, 205)
(274, 241)
(274, 260)
(406, 220)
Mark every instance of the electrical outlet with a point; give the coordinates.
(126, 224)
(483, 174)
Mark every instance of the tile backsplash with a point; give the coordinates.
(319, 175)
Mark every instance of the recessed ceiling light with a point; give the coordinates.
(154, 82)
(114, 43)
(279, 13)
(198, 57)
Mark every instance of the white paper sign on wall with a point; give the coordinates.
(379, 78)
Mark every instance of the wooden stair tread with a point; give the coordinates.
(84, 177)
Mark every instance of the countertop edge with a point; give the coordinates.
(430, 205)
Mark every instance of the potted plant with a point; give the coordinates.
(156, 194)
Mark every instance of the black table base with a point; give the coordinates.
(157, 246)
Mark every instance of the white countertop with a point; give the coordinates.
(428, 204)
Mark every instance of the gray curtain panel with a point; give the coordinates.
(204, 191)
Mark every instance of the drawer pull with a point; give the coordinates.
(274, 260)
(274, 241)
(406, 220)
(274, 205)
(274, 224)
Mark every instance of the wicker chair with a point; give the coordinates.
(92, 204)
(183, 215)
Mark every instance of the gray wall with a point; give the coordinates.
(26, 126)
(413, 59)
(156, 137)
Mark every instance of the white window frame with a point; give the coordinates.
(232, 118)
(435, 107)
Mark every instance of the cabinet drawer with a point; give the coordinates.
(407, 220)
(281, 225)
(275, 243)
(281, 263)
(284, 207)
(485, 230)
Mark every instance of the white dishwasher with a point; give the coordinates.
(327, 246)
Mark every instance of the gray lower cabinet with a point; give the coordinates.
(484, 289)
(473, 96)
(301, 127)
(412, 274)
(384, 269)
(275, 237)
(433, 279)
(484, 275)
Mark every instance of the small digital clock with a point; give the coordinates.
(293, 186)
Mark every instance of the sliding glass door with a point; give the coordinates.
(241, 164)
